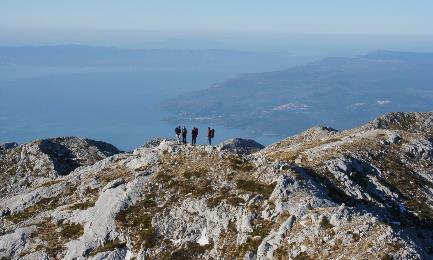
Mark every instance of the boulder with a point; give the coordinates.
(240, 146)
(7, 146)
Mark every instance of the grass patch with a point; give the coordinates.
(235, 201)
(238, 163)
(255, 187)
(47, 231)
(44, 204)
(232, 200)
(411, 187)
(193, 174)
(108, 246)
(212, 202)
(197, 187)
(82, 205)
(261, 228)
(163, 177)
(293, 154)
(56, 236)
(113, 174)
(303, 256)
(325, 224)
(137, 220)
(286, 156)
(282, 252)
(91, 192)
(251, 244)
(191, 250)
(49, 183)
(72, 231)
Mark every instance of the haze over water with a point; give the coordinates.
(115, 104)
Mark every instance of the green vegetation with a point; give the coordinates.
(193, 174)
(231, 199)
(212, 202)
(251, 244)
(293, 154)
(255, 187)
(197, 187)
(56, 236)
(408, 184)
(238, 163)
(47, 231)
(191, 250)
(44, 204)
(361, 179)
(91, 192)
(325, 224)
(72, 231)
(281, 253)
(405, 123)
(303, 256)
(261, 228)
(109, 175)
(49, 183)
(108, 246)
(137, 219)
(82, 205)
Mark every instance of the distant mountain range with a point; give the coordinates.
(341, 92)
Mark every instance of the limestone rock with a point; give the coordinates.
(240, 146)
(36, 163)
(7, 146)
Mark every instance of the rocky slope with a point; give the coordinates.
(366, 193)
(37, 163)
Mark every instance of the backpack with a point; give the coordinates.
(177, 130)
(212, 133)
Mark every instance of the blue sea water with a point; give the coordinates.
(118, 105)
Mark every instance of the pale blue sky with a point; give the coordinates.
(402, 17)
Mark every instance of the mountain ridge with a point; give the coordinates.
(364, 193)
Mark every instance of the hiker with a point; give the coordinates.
(194, 134)
(184, 132)
(210, 135)
(178, 131)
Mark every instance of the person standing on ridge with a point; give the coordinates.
(194, 134)
(178, 131)
(210, 135)
(184, 132)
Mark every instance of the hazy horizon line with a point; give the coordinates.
(215, 31)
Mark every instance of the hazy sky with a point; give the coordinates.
(401, 17)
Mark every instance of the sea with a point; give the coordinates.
(118, 105)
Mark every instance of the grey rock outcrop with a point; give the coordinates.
(7, 146)
(240, 146)
(35, 163)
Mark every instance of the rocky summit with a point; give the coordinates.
(365, 193)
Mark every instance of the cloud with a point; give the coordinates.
(384, 102)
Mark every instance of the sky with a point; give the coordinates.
(331, 16)
(51, 21)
